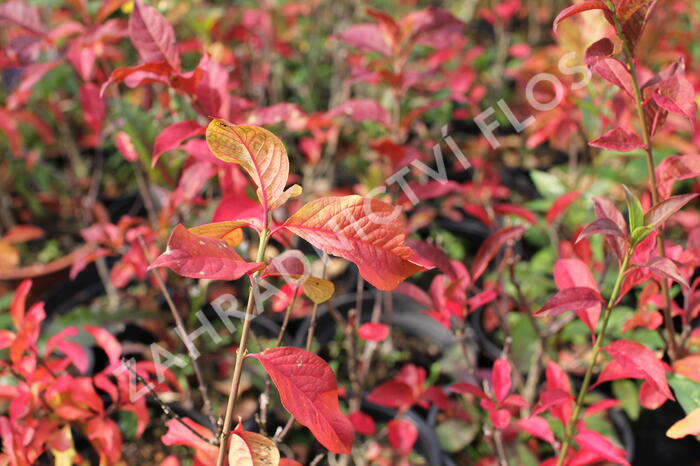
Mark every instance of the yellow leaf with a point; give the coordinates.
(66, 455)
(293, 191)
(263, 450)
(689, 425)
(9, 256)
(318, 290)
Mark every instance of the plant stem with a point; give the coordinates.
(653, 186)
(571, 426)
(240, 354)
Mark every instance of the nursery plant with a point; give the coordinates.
(381, 233)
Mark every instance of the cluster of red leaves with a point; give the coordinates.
(53, 397)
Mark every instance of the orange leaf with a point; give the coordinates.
(689, 425)
(362, 230)
(230, 232)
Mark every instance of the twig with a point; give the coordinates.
(166, 409)
(182, 330)
(533, 374)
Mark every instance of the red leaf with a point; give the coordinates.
(518, 211)
(633, 27)
(402, 435)
(435, 256)
(606, 209)
(500, 379)
(361, 110)
(570, 299)
(665, 268)
(491, 246)
(146, 73)
(594, 442)
(21, 13)
(205, 452)
(570, 273)
(661, 212)
(172, 136)
(601, 226)
(211, 89)
(373, 331)
(557, 378)
(650, 397)
(366, 231)
(94, 107)
(677, 95)
(537, 426)
(197, 256)
(600, 406)
(125, 147)
(636, 356)
(500, 418)
(613, 71)
(393, 394)
(107, 342)
(616, 371)
(433, 27)
(558, 401)
(579, 8)
(618, 140)
(558, 381)
(19, 303)
(289, 462)
(23, 233)
(366, 37)
(152, 35)
(599, 49)
(308, 390)
(73, 351)
(561, 204)
(467, 388)
(416, 293)
(362, 423)
(676, 168)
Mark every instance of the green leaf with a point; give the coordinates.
(687, 392)
(128, 423)
(634, 209)
(454, 434)
(639, 233)
(547, 184)
(626, 393)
